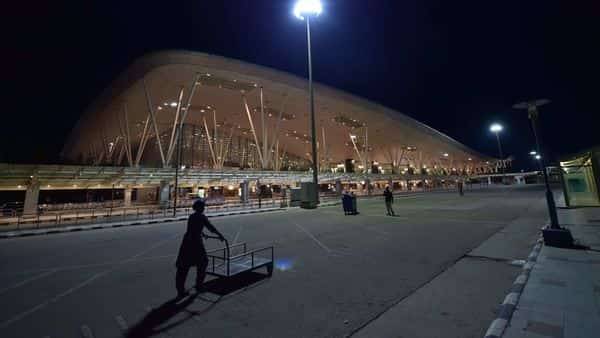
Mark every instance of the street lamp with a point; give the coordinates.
(555, 235)
(304, 10)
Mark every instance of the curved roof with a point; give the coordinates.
(221, 84)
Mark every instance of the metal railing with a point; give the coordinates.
(106, 215)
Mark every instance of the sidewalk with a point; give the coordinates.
(562, 296)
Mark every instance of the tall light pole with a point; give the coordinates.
(496, 128)
(532, 111)
(304, 10)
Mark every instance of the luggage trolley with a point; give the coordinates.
(222, 264)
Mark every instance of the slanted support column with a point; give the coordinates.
(127, 196)
(338, 187)
(32, 196)
(164, 194)
(245, 191)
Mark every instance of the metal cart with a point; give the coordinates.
(222, 264)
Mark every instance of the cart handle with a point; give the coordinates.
(219, 238)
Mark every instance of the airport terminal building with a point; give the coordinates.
(221, 122)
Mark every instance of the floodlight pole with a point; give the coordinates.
(500, 153)
(312, 113)
(533, 116)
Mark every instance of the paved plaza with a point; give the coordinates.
(440, 268)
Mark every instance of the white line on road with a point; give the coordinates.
(311, 236)
(53, 300)
(42, 275)
(79, 286)
(238, 233)
(122, 323)
(86, 332)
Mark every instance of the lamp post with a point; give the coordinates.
(496, 128)
(304, 10)
(532, 111)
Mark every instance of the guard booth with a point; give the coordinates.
(580, 176)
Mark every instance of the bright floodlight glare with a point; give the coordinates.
(307, 7)
(533, 153)
(495, 128)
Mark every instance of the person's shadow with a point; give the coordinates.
(152, 323)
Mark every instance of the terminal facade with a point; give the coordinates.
(219, 122)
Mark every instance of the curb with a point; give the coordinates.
(36, 232)
(508, 306)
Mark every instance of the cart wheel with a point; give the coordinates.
(270, 269)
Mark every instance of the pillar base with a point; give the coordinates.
(560, 238)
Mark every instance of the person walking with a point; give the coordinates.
(389, 200)
(192, 251)
(461, 191)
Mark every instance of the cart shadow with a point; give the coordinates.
(154, 322)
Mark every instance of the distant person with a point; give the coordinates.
(192, 251)
(354, 211)
(389, 200)
(461, 192)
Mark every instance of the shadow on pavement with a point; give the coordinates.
(152, 323)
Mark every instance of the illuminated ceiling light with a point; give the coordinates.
(470, 159)
(166, 104)
(533, 153)
(538, 157)
(159, 108)
(173, 104)
(208, 74)
(446, 155)
(19, 186)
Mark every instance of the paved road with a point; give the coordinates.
(335, 275)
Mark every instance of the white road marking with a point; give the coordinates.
(86, 332)
(79, 286)
(122, 323)
(312, 236)
(237, 235)
(31, 279)
(53, 300)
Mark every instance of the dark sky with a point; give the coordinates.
(454, 65)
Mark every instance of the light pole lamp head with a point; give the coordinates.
(304, 8)
(496, 128)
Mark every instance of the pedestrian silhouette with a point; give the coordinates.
(192, 251)
(389, 200)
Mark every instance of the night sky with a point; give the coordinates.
(455, 65)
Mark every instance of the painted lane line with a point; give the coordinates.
(86, 332)
(237, 235)
(122, 323)
(42, 275)
(53, 300)
(79, 286)
(312, 236)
